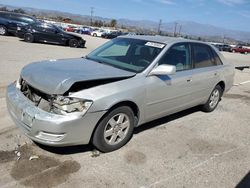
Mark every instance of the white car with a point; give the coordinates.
(98, 33)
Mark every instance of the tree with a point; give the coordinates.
(3, 9)
(19, 10)
(113, 23)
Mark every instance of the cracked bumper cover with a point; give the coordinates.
(48, 128)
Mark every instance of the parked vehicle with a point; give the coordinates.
(84, 30)
(98, 33)
(9, 22)
(223, 47)
(226, 48)
(123, 84)
(240, 49)
(70, 29)
(48, 33)
(112, 35)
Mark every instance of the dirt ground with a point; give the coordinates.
(187, 149)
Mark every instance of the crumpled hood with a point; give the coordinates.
(57, 76)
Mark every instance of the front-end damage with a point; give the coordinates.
(44, 105)
(63, 104)
(50, 121)
(57, 104)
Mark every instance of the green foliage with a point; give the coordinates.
(113, 23)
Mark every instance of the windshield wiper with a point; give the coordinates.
(96, 60)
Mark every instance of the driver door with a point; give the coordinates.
(167, 94)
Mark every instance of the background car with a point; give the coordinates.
(84, 30)
(70, 29)
(241, 49)
(98, 33)
(42, 32)
(112, 35)
(9, 22)
(223, 47)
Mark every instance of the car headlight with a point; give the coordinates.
(68, 105)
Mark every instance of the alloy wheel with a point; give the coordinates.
(214, 98)
(116, 129)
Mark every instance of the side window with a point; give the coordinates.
(178, 55)
(202, 56)
(39, 28)
(50, 30)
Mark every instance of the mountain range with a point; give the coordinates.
(184, 27)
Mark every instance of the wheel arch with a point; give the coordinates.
(128, 103)
(222, 85)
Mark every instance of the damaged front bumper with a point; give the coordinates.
(48, 128)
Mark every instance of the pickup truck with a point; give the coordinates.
(241, 49)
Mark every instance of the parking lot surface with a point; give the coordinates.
(187, 149)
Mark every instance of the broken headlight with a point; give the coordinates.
(65, 105)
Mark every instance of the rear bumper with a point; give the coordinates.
(48, 128)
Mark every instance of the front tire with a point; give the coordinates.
(28, 37)
(213, 100)
(3, 30)
(114, 130)
(73, 43)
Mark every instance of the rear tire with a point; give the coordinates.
(3, 30)
(213, 100)
(28, 37)
(114, 130)
(73, 43)
(94, 35)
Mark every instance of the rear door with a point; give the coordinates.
(206, 72)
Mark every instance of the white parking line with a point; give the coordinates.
(245, 82)
(242, 83)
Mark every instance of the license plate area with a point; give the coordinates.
(27, 119)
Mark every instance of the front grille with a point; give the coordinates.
(32, 94)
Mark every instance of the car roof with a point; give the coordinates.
(160, 39)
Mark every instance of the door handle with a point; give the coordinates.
(216, 73)
(189, 80)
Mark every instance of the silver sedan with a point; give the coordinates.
(123, 84)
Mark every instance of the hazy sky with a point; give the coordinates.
(230, 14)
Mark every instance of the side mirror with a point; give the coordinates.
(163, 70)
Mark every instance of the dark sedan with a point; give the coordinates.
(48, 33)
(10, 21)
(111, 35)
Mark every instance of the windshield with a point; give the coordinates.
(128, 54)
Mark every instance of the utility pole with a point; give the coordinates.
(91, 15)
(159, 27)
(180, 29)
(175, 26)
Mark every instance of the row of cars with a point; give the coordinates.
(32, 30)
(104, 33)
(236, 49)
